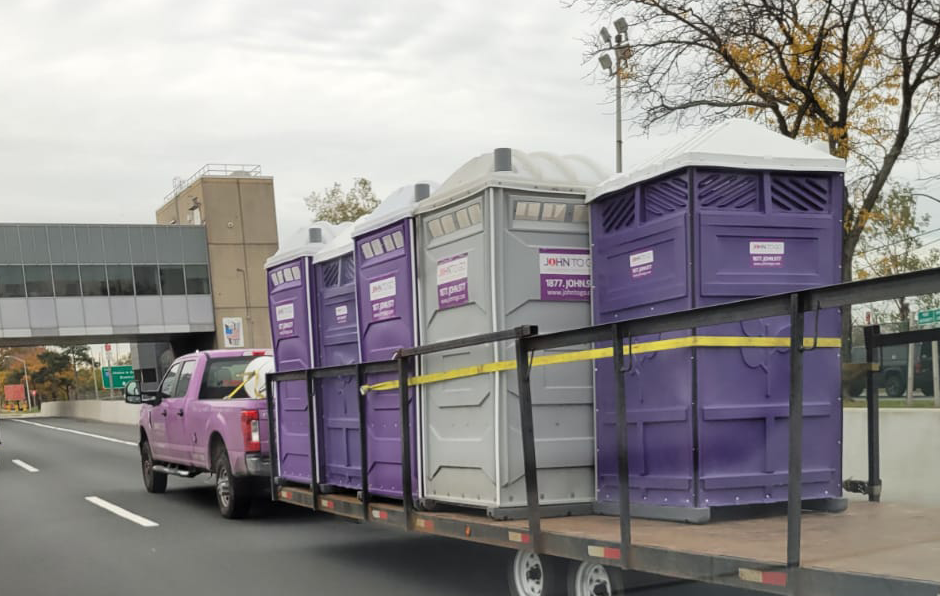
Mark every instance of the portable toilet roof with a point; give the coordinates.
(512, 168)
(736, 143)
(341, 244)
(396, 206)
(305, 242)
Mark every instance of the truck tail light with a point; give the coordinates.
(251, 430)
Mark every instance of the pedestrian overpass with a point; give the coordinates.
(69, 283)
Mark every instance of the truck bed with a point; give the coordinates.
(872, 548)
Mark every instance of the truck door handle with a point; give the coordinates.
(180, 412)
(163, 413)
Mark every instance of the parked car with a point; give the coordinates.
(893, 374)
(206, 417)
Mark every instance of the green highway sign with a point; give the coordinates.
(926, 317)
(121, 375)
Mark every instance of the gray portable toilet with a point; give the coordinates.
(504, 242)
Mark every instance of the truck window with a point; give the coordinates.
(224, 375)
(186, 374)
(169, 381)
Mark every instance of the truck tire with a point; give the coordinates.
(154, 482)
(232, 493)
(586, 578)
(536, 575)
(894, 385)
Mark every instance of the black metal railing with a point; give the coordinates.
(875, 340)
(792, 304)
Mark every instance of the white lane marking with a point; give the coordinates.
(25, 466)
(77, 432)
(121, 512)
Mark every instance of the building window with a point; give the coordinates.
(145, 280)
(197, 279)
(66, 280)
(94, 280)
(38, 280)
(171, 280)
(12, 284)
(120, 280)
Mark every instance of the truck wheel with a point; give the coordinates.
(536, 575)
(154, 482)
(586, 578)
(232, 493)
(894, 385)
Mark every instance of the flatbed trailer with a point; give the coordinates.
(871, 548)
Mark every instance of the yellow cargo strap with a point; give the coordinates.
(248, 377)
(692, 341)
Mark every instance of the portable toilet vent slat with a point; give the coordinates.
(385, 287)
(736, 212)
(503, 243)
(291, 311)
(337, 344)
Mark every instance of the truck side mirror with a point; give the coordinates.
(132, 392)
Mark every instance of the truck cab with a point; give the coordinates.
(208, 416)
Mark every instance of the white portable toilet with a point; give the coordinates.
(502, 243)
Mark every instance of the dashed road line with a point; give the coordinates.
(25, 466)
(77, 432)
(121, 512)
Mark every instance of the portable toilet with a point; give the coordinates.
(291, 309)
(336, 341)
(502, 243)
(385, 286)
(736, 212)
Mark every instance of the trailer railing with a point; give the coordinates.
(874, 340)
(527, 341)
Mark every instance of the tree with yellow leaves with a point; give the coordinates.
(861, 75)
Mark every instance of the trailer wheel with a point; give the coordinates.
(586, 578)
(536, 575)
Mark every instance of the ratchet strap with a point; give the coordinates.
(692, 341)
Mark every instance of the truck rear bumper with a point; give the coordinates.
(258, 465)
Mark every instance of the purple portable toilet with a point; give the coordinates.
(336, 341)
(386, 291)
(290, 307)
(738, 211)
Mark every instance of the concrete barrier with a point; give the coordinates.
(113, 411)
(910, 453)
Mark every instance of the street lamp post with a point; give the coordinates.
(29, 398)
(616, 45)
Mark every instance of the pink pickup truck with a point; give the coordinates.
(207, 418)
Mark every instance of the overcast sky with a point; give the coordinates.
(103, 103)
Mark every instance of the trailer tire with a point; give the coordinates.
(232, 493)
(536, 575)
(154, 482)
(587, 578)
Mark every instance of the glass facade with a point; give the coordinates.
(40, 261)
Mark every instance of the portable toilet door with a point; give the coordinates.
(737, 211)
(291, 310)
(504, 243)
(385, 287)
(337, 344)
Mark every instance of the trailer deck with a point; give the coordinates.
(871, 548)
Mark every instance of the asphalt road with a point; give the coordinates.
(53, 541)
